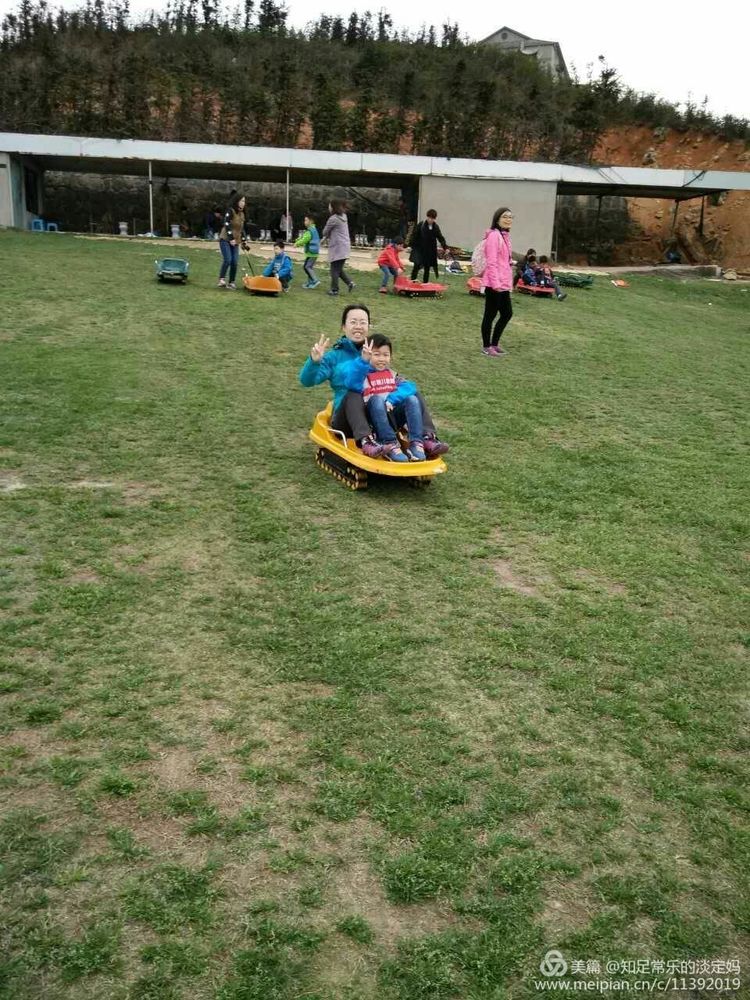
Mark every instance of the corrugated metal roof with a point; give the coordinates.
(188, 159)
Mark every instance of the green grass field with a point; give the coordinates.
(267, 739)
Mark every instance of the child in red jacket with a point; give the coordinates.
(390, 264)
(546, 278)
(384, 392)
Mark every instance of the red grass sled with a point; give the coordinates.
(412, 289)
(542, 291)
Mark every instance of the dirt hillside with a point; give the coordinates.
(726, 226)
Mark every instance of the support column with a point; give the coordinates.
(596, 224)
(288, 234)
(150, 200)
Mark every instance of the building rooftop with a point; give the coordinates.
(184, 159)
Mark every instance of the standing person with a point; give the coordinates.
(286, 226)
(426, 237)
(230, 237)
(309, 242)
(336, 231)
(403, 219)
(212, 223)
(497, 280)
(390, 264)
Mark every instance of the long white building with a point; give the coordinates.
(464, 192)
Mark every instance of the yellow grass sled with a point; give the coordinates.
(341, 458)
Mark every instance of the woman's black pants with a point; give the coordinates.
(427, 268)
(495, 304)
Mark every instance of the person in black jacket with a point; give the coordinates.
(425, 239)
(231, 236)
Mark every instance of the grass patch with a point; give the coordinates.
(244, 757)
(171, 896)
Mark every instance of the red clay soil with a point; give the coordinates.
(726, 226)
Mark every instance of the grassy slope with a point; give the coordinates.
(266, 738)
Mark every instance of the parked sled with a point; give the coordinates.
(575, 280)
(172, 269)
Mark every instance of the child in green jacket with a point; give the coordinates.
(309, 241)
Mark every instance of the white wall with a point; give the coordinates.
(13, 211)
(6, 196)
(465, 208)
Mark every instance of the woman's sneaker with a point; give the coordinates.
(370, 447)
(433, 447)
(393, 453)
(490, 352)
(314, 284)
(417, 451)
(222, 283)
(232, 287)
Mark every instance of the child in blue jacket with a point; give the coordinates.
(528, 274)
(385, 393)
(280, 267)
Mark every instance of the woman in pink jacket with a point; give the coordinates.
(497, 279)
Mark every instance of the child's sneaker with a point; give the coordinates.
(314, 284)
(351, 286)
(332, 292)
(393, 452)
(433, 447)
(232, 287)
(222, 283)
(370, 447)
(417, 451)
(383, 291)
(561, 296)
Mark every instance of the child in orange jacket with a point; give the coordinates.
(389, 263)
